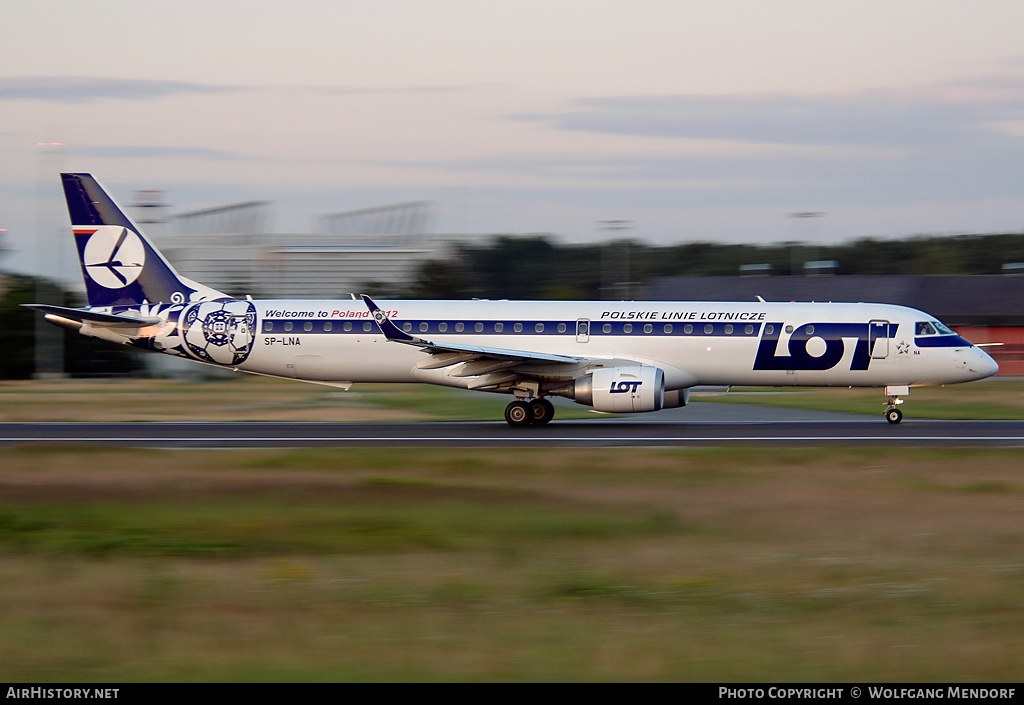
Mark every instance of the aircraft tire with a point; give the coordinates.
(518, 414)
(893, 415)
(542, 411)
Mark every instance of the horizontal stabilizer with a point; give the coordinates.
(83, 314)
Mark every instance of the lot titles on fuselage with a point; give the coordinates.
(684, 315)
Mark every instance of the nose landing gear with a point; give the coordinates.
(892, 413)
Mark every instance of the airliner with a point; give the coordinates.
(618, 357)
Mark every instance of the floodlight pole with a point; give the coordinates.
(49, 340)
(606, 286)
(808, 216)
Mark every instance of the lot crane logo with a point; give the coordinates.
(221, 332)
(114, 256)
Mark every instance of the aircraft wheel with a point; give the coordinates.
(542, 411)
(518, 414)
(893, 415)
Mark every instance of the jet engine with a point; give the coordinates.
(622, 389)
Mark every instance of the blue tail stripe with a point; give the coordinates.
(123, 268)
(89, 204)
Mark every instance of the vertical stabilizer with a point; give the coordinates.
(121, 267)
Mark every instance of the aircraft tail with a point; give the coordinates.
(121, 267)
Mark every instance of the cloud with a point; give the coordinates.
(81, 89)
(400, 90)
(155, 152)
(938, 115)
(986, 168)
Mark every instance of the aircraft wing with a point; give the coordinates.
(451, 353)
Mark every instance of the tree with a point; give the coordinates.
(83, 356)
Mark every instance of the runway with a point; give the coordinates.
(706, 425)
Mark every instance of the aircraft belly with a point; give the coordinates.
(362, 359)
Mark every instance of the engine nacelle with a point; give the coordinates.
(622, 390)
(676, 398)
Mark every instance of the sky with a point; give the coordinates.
(710, 121)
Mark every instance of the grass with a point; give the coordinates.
(996, 399)
(416, 564)
(249, 398)
(780, 565)
(382, 521)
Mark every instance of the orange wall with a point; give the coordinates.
(1009, 355)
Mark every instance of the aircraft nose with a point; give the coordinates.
(984, 365)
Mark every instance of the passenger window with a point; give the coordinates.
(442, 327)
(539, 327)
(628, 328)
(687, 329)
(268, 326)
(606, 328)
(328, 326)
(728, 328)
(748, 329)
(518, 327)
(367, 326)
(424, 326)
(498, 327)
(708, 329)
(561, 328)
(459, 327)
(287, 325)
(924, 328)
(407, 327)
(478, 327)
(648, 328)
(307, 326)
(348, 327)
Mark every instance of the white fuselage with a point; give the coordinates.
(719, 343)
(614, 356)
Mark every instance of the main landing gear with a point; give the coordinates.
(522, 413)
(892, 412)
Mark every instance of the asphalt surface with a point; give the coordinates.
(704, 424)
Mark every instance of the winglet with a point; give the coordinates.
(389, 329)
(396, 335)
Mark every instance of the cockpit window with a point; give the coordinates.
(924, 328)
(943, 329)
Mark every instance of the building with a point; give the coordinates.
(374, 250)
(300, 266)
